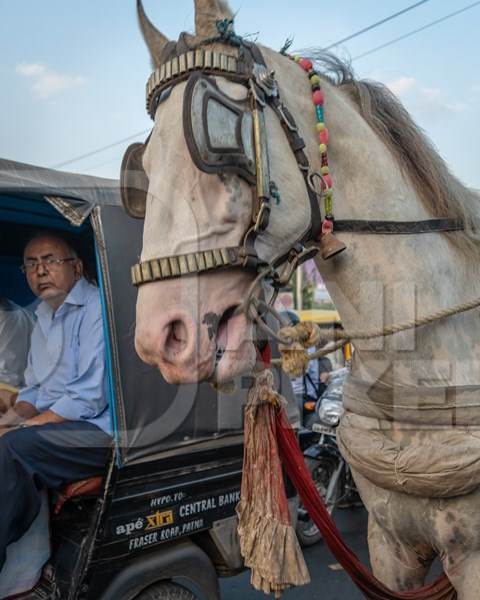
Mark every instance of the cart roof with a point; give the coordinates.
(74, 195)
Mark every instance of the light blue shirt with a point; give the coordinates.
(66, 371)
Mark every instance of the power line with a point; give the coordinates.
(410, 33)
(377, 24)
(101, 164)
(394, 41)
(98, 150)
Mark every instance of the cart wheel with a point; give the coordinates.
(166, 591)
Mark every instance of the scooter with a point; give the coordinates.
(328, 469)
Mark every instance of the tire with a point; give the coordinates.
(166, 591)
(321, 471)
(310, 420)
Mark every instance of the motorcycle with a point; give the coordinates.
(330, 473)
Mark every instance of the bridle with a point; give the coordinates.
(244, 152)
(240, 148)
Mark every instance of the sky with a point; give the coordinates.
(73, 73)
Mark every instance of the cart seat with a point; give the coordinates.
(83, 488)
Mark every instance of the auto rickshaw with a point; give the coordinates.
(160, 522)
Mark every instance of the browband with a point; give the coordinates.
(179, 67)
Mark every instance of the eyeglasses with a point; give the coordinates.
(30, 266)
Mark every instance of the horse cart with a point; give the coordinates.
(160, 522)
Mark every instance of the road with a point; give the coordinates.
(328, 582)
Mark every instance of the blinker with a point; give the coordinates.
(218, 130)
(134, 181)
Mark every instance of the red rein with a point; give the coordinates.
(373, 589)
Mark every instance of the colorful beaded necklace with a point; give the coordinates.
(319, 100)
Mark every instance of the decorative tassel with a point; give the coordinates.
(268, 541)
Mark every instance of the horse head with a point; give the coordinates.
(227, 197)
(234, 172)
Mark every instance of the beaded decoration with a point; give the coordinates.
(319, 100)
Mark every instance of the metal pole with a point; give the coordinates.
(299, 288)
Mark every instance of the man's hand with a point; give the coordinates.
(44, 418)
(18, 414)
(324, 377)
(7, 400)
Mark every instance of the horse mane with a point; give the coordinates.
(442, 194)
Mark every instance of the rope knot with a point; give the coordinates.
(264, 391)
(298, 338)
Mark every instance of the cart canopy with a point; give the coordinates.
(150, 415)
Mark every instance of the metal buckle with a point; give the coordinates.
(298, 255)
(311, 184)
(261, 221)
(281, 109)
(253, 90)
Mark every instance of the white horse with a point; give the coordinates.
(422, 496)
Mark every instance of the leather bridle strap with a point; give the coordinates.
(250, 70)
(398, 227)
(180, 67)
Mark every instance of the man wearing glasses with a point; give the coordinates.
(59, 429)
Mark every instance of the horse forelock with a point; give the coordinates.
(441, 193)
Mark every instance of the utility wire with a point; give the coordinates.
(98, 150)
(394, 41)
(415, 31)
(101, 164)
(377, 24)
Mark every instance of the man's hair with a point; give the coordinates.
(66, 238)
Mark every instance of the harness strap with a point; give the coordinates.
(297, 144)
(398, 227)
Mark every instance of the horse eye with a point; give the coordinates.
(164, 95)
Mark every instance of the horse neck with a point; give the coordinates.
(382, 280)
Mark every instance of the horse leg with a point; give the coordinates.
(464, 575)
(399, 566)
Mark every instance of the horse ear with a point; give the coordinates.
(207, 13)
(155, 40)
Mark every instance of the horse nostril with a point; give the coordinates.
(177, 338)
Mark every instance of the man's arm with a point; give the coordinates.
(84, 397)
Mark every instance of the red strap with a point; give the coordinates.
(266, 355)
(373, 589)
